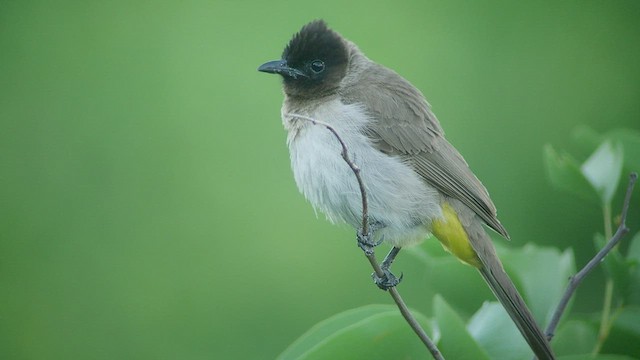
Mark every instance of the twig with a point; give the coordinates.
(575, 280)
(404, 310)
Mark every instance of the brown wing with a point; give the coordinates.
(405, 126)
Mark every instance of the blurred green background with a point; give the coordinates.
(147, 209)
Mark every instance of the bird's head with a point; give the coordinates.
(313, 63)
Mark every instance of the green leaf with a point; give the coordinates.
(588, 138)
(603, 168)
(542, 273)
(564, 174)
(575, 337)
(630, 140)
(595, 357)
(369, 332)
(624, 336)
(494, 330)
(616, 267)
(629, 320)
(456, 342)
(633, 259)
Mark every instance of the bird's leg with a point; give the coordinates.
(367, 244)
(388, 280)
(365, 241)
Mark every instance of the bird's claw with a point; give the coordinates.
(366, 243)
(387, 281)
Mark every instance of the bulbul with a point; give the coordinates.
(417, 183)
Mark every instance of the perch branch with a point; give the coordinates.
(575, 280)
(404, 310)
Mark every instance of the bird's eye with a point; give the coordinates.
(317, 66)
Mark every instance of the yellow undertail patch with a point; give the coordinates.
(453, 237)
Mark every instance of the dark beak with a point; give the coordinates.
(281, 67)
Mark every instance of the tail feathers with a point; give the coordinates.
(490, 267)
(509, 297)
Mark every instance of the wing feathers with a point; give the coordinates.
(446, 170)
(404, 125)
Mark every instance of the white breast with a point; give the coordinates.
(397, 197)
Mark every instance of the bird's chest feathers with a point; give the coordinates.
(396, 194)
(321, 173)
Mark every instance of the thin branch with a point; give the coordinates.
(575, 280)
(404, 310)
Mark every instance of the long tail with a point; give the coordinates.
(509, 297)
(462, 233)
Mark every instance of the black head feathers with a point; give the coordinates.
(315, 41)
(313, 63)
(319, 56)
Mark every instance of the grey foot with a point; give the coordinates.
(387, 281)
(366, 243)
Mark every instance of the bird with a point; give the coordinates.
(417, 183)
